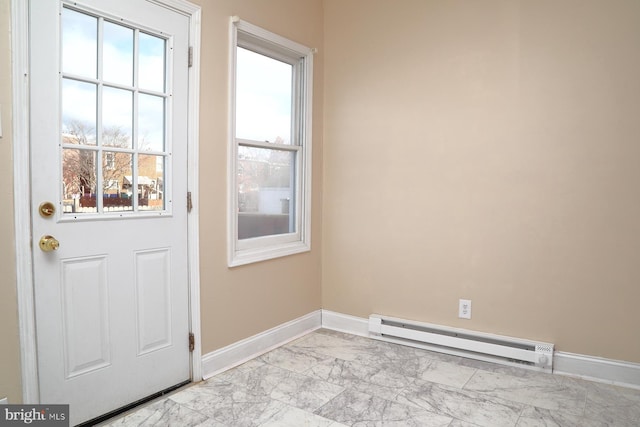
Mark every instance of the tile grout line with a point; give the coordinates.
(524, 408)
(475, 371)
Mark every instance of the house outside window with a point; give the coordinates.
(270, 145)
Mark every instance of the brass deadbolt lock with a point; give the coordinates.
(49, 243)
(46, 209)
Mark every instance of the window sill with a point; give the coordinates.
(250, 256)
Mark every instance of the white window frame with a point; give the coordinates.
(262, 248)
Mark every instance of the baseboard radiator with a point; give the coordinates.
(460, 342)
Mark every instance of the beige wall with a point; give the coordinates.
(243, 301)
(9, 339)
(486, 150)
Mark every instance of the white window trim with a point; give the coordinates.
(268, 247)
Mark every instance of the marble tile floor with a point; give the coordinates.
(332, 379)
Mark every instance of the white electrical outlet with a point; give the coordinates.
(464, 309)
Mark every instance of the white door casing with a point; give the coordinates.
(112, 301)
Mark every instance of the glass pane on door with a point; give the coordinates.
(150, 123)
(79, 44)
(79, 180)
(116, 181)
(79, 112)
(117, 54)
(117, 117)
(151, 182)
(152, 63)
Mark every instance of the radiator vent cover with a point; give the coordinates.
(462, 342)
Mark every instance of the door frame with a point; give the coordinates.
(22, 186)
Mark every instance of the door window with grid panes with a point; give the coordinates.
(115, 106)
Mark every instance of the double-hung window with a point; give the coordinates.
(270, 145)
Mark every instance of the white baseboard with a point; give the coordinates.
(249, 348)
(598, 369)
(593, 368)
(345, 323)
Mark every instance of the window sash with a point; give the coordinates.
(293, 221)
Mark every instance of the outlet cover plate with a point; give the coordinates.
(464, 309)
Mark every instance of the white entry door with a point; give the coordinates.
(109, 90)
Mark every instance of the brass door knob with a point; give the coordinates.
(49, 243)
